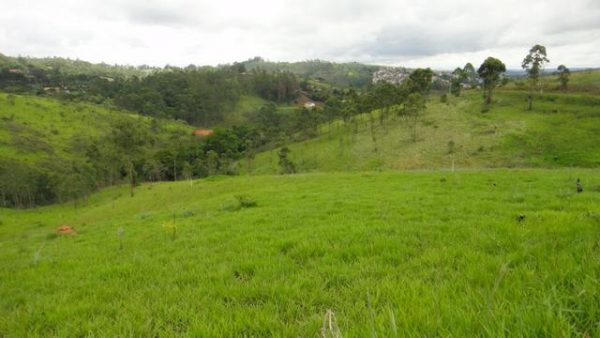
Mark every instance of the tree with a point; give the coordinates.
(533, 64)
(458, 77)
(154, 170)
(563, 76)
(187, 172)
(131, 175)
(470, 73)
(286, 166)
(490, 71)
(419, 81)
(414, 105)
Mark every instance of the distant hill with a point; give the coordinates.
(338, 74)
(561, 131)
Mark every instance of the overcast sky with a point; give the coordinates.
(435, 33)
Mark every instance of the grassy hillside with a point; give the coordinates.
(472, 253)
(586, 81)
(562, 130)
(35, 128)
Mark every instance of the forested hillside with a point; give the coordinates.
(198, 95)
(69, 127)
(338, 74)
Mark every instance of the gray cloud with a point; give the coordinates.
(434, 33)
(414, 41)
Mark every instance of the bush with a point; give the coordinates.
(245, 201)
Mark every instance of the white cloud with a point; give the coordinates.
(434, 33)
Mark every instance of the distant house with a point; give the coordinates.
(202, 132)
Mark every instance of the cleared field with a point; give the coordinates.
(423, 253)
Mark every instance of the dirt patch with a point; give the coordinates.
(65, 230)
(202, 132)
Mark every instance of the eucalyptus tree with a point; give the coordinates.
(533, 64)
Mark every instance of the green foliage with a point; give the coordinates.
(286, 166)
(533, 64)
(459, 76)
(419, 81)
(198, 95)
(563, 76)
(245, 201)
(64, 151)
(490, 71)
(338, 74)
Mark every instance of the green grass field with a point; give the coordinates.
(416, 253)
(34, 128)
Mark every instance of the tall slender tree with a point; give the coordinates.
(533, 64)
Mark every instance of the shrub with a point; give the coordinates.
(245, 201)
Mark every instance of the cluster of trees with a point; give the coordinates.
(351, 74)
(534, 64)
(198, 95)
(492, 69)
(466, 76)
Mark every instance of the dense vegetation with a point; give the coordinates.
(53, 151)
(198, 95)
(338, 74)
(131, 149)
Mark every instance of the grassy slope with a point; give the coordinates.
(561, 131)
(439, 252)
(245, 105)
(587, 81)
(33, 127)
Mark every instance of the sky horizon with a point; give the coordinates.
(409, 33)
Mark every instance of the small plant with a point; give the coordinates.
(187, 213)
(444, 98)
(170, 229)
(144, 215)
(330, 327)
(451, 147)
(51, 236)
(37, 256)
(245, 201)
(241, 202)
